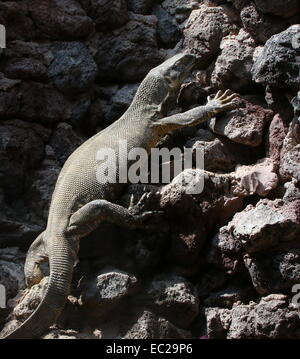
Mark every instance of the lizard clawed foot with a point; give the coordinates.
(223, 101)
(34, 276)
(36, 255)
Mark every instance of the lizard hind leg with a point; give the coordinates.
(36, 255)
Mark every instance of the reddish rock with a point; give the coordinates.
(260, 26)
(276, 134)
(204, 31)
(245, 124)
(257, 179)
(220, 154)
(60, 19)
(290, 153)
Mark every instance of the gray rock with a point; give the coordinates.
(292, 191)
(120, 101)
(211, 280)
(11, 271)
(218, 322)
(296, 105)
(276, 273)
(266, 225)
(107, 14)
(149, 326)
(128, 53)
(27, 60)
(233, 66)
(106, 290)
(173, 298)
(283, 8)
(226, 298)
(26, 69)
(140, 6)
(42, 184)
(225, 251)
(269, 319)
(204, 31)
(73, 69)
(279, 53)
(167, 30)
(64, 141)
(21, 149)
(179, 9)
(290, 153)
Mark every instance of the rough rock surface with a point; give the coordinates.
(244, 125)
(260, 26)
(282, 266)
(221, 261)
(279, 7)
(60, 19)
(104, 292)
(106, 14)
(290, 153)
(233, 66)
(204, 31)
(174, 297)
(279, 52)
(130, 52)
(149, 326)
(258, 179)
(73, 69)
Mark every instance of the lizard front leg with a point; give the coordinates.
(221, 103)
(88, 217)
(36, 255)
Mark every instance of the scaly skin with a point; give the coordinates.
(81, 201)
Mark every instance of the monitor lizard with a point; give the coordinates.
(81, 201)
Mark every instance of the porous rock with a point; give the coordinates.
(279, 52)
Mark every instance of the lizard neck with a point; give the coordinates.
(152, 99)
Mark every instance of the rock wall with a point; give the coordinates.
(221, 264)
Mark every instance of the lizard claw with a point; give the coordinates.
(131, 203)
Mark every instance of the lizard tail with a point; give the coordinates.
(61, 259)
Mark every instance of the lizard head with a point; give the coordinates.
(169, 77)
(160, 88)
(176, 69)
